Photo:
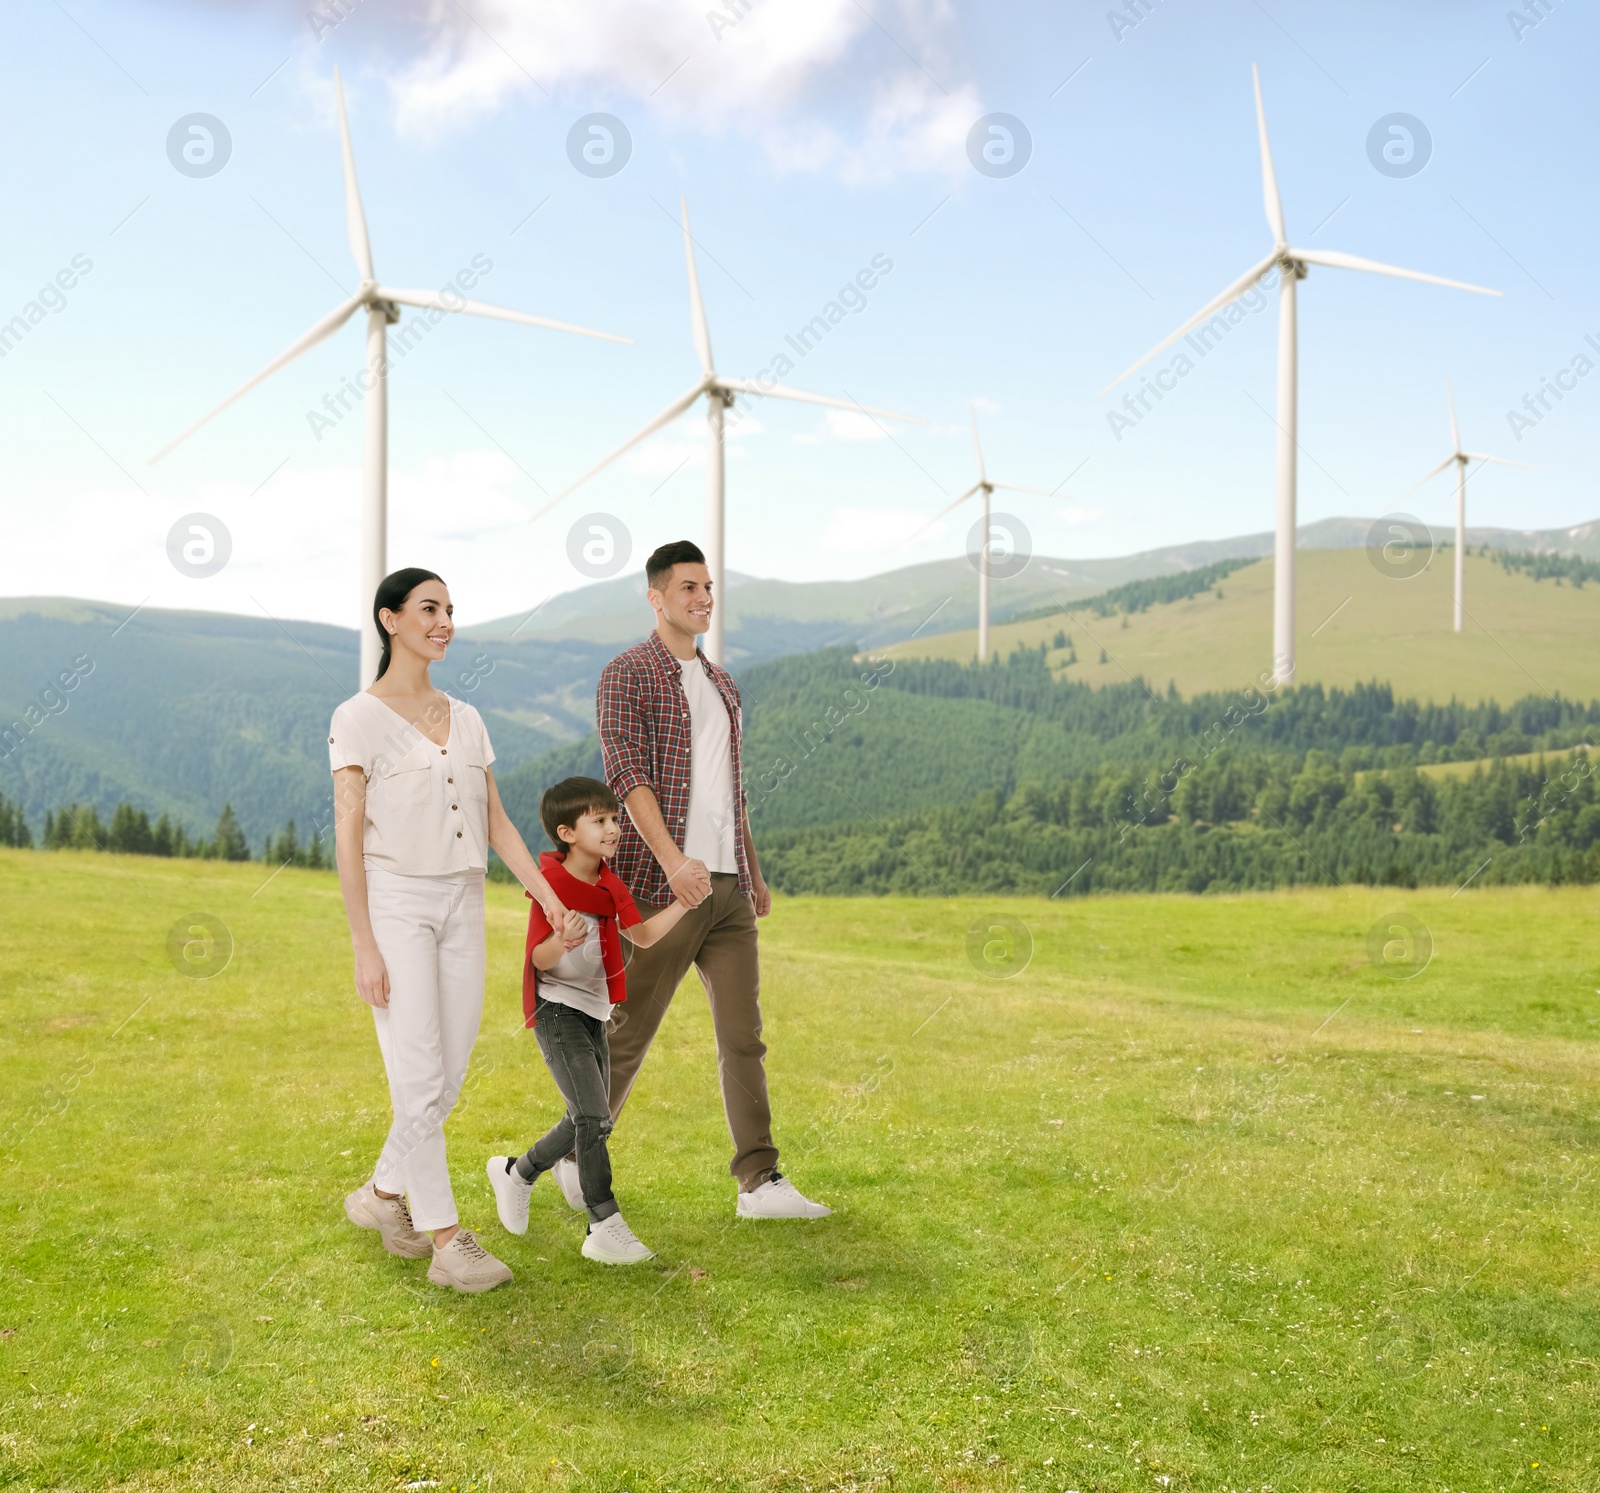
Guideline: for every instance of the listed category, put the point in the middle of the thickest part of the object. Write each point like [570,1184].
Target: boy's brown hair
[566,802]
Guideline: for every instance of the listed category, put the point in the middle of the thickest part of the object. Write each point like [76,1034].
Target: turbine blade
[355,220]
[1018,487]
[1269,177]
[666,417]
[1501,461]
[749,386]
[1448,461]
[697,310]
[1237,289]
[977,447]
[1335,260]
[954,503]
[1455,433]
[321,331]
[441,301]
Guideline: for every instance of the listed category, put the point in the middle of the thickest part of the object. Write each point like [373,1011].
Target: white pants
[430,933]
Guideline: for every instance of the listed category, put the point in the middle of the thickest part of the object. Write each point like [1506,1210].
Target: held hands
[690,882]
[570,926]
[372,978]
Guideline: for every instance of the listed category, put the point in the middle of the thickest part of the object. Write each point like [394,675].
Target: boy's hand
[573,929]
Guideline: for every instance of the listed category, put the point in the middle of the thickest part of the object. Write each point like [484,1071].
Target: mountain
[1353,623]
[771,618]
[181,712]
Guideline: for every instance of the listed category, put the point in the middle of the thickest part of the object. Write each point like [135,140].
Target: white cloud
[1075,515]
[819,82]
[842,425]
[296,543]
[882,531]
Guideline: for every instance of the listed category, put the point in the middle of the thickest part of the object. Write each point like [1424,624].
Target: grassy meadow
[1353,624]
[1203,1194]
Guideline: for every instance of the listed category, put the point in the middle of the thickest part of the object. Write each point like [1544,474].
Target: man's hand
[372,977]
[761,895]
[690,882]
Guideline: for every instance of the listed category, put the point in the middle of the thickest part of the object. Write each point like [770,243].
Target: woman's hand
[574,929]
[372,977]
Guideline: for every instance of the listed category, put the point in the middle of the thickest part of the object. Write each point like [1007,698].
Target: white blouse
[427,805]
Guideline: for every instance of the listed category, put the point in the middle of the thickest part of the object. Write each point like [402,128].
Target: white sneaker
[565,1172]
[614,1243]
[511,1193]
[391,1218]
[778,1197]
[465,1265]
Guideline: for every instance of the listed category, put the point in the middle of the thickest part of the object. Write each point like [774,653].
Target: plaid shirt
[643,720]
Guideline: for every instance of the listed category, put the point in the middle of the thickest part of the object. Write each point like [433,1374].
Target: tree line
[130,832]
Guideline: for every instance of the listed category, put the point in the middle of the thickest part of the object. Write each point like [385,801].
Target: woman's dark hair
[392,592]
[566,802]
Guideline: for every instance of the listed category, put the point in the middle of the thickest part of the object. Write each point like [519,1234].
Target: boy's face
[596,833]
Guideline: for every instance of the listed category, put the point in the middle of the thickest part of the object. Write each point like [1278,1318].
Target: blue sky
[809,139]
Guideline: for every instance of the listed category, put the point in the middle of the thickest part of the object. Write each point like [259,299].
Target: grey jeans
[579,1059]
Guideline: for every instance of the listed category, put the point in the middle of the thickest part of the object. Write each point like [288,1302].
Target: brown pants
[719,938]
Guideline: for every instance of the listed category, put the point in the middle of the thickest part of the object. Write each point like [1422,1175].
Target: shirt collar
[665,657]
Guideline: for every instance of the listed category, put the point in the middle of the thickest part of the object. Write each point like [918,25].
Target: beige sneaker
[391,1218]
[465,1265]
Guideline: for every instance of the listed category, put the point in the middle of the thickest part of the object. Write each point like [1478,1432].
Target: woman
[415,810]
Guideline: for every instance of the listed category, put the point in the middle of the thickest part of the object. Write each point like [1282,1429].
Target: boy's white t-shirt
[578,977]
[712,821]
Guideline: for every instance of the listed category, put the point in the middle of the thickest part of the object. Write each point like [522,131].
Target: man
[670,724]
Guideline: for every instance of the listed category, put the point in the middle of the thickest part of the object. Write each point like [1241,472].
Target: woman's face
[423,624]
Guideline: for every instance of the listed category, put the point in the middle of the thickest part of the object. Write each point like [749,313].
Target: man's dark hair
[566,802]
[679,552]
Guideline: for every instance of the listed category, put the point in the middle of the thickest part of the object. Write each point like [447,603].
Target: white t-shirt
[713,821]
[427,805]
[578,977]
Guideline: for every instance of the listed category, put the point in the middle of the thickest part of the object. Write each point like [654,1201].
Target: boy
[567,995]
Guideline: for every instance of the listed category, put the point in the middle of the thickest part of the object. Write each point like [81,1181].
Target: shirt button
[449,780]
[330,741]
[458,834]
[455,806]
[443,752]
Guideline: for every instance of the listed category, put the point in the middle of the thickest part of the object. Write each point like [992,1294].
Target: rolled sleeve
[624,734]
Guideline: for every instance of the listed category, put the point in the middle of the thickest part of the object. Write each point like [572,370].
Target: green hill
[182,712]
[1523,636]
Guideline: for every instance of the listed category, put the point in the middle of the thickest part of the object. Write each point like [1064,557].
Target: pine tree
[229,843]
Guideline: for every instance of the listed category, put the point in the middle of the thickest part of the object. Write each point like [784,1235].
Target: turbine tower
[1291,265]
[986,486]
[382,306]
[1461,460]
[720,391]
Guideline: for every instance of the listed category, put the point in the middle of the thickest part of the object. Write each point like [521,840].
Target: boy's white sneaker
[614,1243]
[778,1197]
[511,1193]
[465,1265]
[565,1172]
[391,1218]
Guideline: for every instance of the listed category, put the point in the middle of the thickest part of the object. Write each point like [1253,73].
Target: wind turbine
[383,308]
[1461,459]
[986,486]
[720,392]
[1291,265]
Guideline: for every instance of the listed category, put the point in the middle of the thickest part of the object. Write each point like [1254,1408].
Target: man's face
[684,598]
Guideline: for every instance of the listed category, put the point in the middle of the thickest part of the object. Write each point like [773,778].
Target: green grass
[1353,624]
[1202,1199]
